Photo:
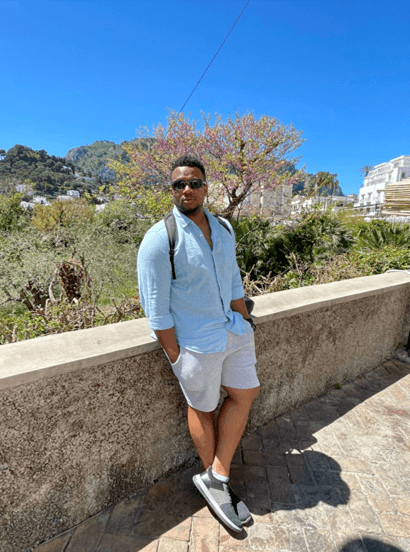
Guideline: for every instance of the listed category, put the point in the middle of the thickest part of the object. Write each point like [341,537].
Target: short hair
[188,160]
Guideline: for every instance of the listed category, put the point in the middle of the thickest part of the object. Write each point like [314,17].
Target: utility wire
[225,39]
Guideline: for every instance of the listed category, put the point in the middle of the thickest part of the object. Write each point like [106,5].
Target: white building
[103,199]
[27,205]
[73,193]
[41,200]
[64,198]
[371,195]
[300,203]
[21,188]
[271,202]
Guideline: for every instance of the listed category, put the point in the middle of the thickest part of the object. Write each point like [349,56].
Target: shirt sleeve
[237,287]
[154,279]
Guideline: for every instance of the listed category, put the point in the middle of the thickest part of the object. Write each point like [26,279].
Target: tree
[241,155]
[364,171]
[325,182]
[12,215]
[61,213]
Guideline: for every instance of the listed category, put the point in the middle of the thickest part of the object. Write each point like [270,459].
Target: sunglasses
[194,184]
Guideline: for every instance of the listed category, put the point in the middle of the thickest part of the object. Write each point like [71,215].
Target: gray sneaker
[240,507]
[217,494]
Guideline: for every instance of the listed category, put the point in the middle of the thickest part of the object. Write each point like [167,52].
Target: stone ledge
[43,357]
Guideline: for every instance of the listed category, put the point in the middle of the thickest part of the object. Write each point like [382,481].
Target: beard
[188,212]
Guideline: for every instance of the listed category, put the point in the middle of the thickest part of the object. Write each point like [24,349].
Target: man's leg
[231,425]
[202,430]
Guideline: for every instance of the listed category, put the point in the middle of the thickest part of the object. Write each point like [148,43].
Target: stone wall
[87,418]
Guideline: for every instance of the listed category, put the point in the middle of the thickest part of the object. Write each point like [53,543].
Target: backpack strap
[222,222]
[171,227]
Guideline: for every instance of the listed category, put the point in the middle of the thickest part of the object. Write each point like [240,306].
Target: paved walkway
[332,476]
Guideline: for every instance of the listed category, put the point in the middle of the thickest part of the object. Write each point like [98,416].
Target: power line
[217,52]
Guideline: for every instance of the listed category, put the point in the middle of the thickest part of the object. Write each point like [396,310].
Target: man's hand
[169,343]
[238,305]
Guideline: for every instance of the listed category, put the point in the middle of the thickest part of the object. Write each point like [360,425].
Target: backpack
[171,227]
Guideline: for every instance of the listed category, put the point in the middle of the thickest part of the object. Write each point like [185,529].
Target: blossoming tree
[241,155]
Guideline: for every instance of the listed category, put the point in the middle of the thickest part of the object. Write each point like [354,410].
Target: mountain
[308,182]
[92,159]
[47,174]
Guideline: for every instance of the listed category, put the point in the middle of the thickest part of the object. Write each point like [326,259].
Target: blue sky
[72,72]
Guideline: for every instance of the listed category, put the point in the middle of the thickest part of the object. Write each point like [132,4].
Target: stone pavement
[331,476]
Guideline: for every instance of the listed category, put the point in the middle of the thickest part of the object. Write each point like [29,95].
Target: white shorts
[201,375]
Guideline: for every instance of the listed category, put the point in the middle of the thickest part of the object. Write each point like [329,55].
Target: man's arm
[154,282]
[238,305]
[169,343]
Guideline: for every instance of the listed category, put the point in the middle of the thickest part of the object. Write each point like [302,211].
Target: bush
[380,233]
[62,214]
[12,215]
[264,251]
[123,220]
[379,261]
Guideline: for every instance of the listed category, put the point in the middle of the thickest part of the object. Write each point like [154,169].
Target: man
[200,320]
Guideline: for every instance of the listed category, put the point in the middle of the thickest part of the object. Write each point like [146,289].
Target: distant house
[21,188]
[269,202]
[73,193]
[375,183]
[103,199]
[40,199]
[301,203]
[27,205]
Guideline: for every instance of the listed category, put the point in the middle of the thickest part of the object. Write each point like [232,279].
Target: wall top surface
[34,359]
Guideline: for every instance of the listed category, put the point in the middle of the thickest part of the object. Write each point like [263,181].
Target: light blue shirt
[197,303]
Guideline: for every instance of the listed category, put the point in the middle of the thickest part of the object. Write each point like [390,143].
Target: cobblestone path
[332,476]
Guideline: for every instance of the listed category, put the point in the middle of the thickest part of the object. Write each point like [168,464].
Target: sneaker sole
[215,507]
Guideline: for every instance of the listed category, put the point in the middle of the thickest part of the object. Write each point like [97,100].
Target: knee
[244,397]
[256,392]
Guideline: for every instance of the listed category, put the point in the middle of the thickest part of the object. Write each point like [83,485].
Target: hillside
[47,174]
[92,159]
[83,170]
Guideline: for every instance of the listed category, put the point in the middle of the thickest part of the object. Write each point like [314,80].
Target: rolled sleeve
[237,287]
[154,279]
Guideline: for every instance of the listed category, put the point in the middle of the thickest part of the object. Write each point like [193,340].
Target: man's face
[188,201]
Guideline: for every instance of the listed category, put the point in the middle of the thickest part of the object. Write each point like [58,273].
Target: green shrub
[122,219]
[378,261]
[380,233]
[12,215]
[61,214]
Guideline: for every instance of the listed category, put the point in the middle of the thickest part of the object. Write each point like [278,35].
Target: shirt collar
[184,220]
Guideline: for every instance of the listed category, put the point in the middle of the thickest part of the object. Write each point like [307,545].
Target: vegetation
[92,160]
[241,155]
[42,173]
[326,184]
[318,248]
[66,267]
[76,273]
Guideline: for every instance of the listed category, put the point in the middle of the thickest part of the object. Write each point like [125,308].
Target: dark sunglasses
[194,184]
